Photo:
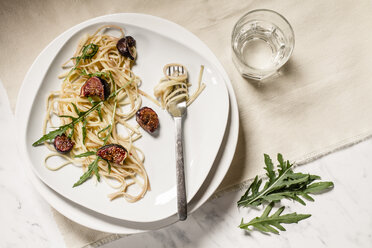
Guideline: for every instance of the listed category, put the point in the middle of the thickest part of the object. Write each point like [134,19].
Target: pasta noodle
[92,124]
[94,131]
[173,87]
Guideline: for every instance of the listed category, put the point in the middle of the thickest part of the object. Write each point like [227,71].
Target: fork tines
[176,68]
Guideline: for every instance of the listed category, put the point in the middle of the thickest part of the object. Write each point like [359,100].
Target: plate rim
[227,82]
[47,62]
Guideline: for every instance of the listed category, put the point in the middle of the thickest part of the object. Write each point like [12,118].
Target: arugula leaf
[109,166]
[83,72]
[66,116]
[318,187]
[72,131]
[76,108]
[116,92]
[62,129]
[84,130]
[99,74]
[103,130]
[90,99]
[269,168]
[109,128]
[87,52]
[93,167]
[51,135]
[85,154]
[99,112]
[113,82]
[282,184]
[266,223]
[96,172]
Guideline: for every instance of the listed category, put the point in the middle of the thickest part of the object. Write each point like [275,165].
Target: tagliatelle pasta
[99,94]
[97,56]
[174,86]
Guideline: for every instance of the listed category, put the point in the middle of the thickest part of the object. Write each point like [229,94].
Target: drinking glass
[262,41]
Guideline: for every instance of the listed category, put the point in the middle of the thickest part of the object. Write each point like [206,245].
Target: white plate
[158,42]
[107,224]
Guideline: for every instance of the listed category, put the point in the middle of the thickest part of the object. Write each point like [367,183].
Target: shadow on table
[238,166]
[288,70]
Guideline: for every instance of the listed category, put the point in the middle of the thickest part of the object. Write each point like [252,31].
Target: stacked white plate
[210,129]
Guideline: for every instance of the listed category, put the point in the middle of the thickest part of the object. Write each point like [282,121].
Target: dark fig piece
[126,47]
[63,144]
[147,119]
[113,153]
[131,41]
[95,86]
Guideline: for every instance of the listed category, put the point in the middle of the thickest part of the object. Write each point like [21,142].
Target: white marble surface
[26,218]
[340,218]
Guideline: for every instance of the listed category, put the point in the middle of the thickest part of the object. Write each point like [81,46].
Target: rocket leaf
[266,223]
[283,183]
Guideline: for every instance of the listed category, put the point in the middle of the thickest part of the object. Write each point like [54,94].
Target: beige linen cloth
[322,101]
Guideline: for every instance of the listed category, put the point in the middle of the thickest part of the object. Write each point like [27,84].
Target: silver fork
[177,110]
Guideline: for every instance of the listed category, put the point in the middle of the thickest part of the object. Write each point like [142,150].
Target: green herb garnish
[85,154]
[87,52]
[266,223]
[51,135]
[84,130]
[283,183]
[101,131]
[93,167]
[74,120]
[109,166]
[81,116]
[99,110]
[109,127]
[99,74]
